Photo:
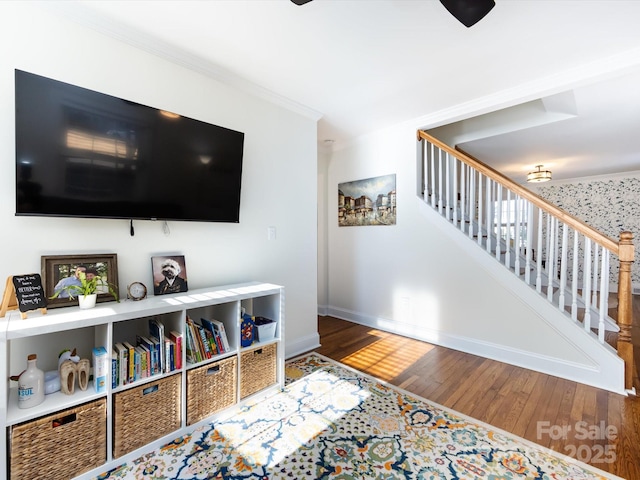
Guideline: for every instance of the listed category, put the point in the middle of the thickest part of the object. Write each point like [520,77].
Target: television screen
[81,153]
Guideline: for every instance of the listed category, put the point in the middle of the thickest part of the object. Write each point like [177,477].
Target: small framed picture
[58,272]
[169,274]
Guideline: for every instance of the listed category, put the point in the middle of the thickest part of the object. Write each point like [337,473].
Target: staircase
[577,269]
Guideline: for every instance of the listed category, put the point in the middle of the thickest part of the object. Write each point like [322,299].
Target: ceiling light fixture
[539,175]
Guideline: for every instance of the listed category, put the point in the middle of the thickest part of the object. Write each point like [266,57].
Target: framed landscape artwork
[371,201]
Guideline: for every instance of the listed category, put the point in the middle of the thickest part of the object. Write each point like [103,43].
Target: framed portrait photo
[169,274]
[60,271]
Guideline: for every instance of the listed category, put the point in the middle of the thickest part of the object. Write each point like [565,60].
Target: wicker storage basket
[211,388]
[257,369]
[62,445]
[145,413]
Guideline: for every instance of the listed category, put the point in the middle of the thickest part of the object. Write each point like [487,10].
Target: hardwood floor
[604,427]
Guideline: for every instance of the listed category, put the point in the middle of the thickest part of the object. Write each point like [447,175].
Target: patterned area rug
[331,422]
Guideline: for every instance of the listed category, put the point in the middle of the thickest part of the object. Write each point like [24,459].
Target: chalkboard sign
[29,292]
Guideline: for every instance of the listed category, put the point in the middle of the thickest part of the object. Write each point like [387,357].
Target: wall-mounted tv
[81,153]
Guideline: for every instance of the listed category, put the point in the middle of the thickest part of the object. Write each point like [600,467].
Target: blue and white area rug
[332,422]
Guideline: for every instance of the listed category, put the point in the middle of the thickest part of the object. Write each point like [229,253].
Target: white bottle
[31,385]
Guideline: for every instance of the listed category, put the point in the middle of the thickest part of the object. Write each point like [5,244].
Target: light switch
[271,233]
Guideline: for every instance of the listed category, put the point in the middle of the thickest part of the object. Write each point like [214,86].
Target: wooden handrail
[565,217]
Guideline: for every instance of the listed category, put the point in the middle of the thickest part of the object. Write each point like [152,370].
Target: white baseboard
[587,374]
[301,345]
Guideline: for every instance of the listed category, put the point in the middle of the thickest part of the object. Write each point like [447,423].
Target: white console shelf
[61,328]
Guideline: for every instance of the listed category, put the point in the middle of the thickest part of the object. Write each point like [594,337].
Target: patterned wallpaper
[610,205]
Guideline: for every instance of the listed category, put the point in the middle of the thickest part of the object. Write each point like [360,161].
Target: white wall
[279,173]
[425,279]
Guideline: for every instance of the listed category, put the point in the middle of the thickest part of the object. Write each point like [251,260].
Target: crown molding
[592,72]
[600,70]
[84,16]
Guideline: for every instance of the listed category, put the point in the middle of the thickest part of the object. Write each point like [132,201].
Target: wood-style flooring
[526,403]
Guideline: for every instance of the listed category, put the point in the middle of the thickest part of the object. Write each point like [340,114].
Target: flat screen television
[81,153]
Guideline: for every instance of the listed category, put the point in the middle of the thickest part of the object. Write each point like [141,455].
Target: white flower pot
[87,301]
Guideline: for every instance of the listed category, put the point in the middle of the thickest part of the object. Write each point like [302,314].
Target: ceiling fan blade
[468,12]
[300,2]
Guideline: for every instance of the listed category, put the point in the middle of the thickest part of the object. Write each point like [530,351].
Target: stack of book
[205,339]
[159,352]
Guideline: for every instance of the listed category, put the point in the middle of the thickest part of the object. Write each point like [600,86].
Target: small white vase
[87,301]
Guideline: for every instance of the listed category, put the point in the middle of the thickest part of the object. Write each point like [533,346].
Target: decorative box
[211,388]
[61,445]
[145,413]
[257,369]
[247,331]
[265,328]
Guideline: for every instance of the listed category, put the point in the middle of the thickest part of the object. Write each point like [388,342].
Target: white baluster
[603,293]
[497,220]
[547,264]
[529,245]
[563,267]
[440,200]
[539,257]
[594,298]
[490,213]
[574,278]
[447,206]
[454,190]
[480,208]
[507,241]
[425,169]
[472,200]
[607,276]
[586,280]
[553,238]
[517,240]
[433,176]
[463,196]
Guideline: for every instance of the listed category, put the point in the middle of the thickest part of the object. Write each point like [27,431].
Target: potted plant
[87,291]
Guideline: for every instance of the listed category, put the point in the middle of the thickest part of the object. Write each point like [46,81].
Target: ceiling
[565,74]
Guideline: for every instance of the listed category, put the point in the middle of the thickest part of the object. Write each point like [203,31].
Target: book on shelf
[188,347]
[176,338]
[222,332]
[196,348]
[214,334]
[156,330]
[204,344]
[204,340]
[142,369]
[169,350]
[152,354]
[190,353]
[100,369]
[123,363]
[218,340]
[114,368]
[156,347]
[137,367]
[131,372]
